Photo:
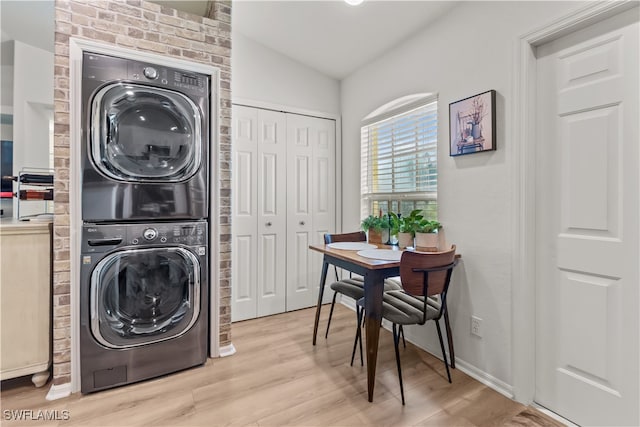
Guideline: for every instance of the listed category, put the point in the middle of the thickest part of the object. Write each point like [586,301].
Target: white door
[272,215]
[244,241]
[587,197]
[310,203]
[259,213]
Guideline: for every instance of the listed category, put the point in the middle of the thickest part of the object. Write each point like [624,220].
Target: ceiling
[332,36]
[329,36]
[31,22]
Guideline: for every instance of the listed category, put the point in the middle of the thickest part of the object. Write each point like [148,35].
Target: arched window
[400,157]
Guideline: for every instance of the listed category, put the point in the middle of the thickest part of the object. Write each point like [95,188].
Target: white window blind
[399,158]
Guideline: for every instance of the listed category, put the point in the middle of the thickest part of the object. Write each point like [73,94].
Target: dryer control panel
[110,68]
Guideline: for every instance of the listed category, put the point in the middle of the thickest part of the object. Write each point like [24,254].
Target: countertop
[12,224]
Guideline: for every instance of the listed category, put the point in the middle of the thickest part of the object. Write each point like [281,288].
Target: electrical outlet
[476,326]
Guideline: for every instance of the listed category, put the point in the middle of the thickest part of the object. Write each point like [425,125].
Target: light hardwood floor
[278,378]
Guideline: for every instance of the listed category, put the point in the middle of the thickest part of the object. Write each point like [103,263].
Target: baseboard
[59,391]
[486,379]
[553,415]
[469,369]
[227,350]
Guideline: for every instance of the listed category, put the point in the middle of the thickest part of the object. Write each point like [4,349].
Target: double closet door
[283,193]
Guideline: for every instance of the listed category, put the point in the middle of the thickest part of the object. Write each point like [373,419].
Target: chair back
[357,236]
[414,269]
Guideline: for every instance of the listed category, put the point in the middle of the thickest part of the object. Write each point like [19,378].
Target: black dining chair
[425,279]
[352,287]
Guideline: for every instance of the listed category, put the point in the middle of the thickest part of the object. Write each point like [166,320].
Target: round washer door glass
[143,133]
[144,295]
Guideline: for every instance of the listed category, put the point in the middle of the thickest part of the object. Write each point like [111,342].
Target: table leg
[323,279]
[373,288]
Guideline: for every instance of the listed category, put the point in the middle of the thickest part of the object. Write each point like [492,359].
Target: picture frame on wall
[472,124]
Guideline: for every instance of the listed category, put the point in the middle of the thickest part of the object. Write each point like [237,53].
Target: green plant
[429,226]
[375,223]
[409,223]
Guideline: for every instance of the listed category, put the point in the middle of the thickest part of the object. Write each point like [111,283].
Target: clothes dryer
[145,130]
[143,301]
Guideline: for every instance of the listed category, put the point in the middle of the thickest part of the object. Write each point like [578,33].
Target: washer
[143,301]
[145,148]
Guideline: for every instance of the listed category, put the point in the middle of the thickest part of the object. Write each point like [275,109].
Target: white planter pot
[405,240]
[427,241]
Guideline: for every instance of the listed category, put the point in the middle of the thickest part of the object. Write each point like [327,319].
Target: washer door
[142,296]
[145,134]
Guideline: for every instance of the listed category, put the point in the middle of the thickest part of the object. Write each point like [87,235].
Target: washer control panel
[150,234]
[106,237]
[192,233]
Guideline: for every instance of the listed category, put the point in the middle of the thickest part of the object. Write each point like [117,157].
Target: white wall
[6,73]
[32,110]
[468,51]
[262,74]
[6,132]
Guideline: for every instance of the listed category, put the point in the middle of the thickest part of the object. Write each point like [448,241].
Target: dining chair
[423,276]
[352,287]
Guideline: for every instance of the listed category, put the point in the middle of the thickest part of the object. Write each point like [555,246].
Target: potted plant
[427,235]
[406,226]
[375,227]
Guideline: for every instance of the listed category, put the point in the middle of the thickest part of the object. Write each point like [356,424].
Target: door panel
[244,252]
[587,194]
[311,201]
[324,195]
[243,290]
[272,215]
[299,213]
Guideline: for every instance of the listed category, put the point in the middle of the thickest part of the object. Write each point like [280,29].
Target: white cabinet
[283,200]
[25,314]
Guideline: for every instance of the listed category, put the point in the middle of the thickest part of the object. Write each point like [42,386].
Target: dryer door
[145,134]
[141,296]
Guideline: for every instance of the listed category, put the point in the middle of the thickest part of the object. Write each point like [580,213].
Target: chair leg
[333,303]
[401,330]
[360,333]
[358,337]
[396,339]
[444,355]
[452,355]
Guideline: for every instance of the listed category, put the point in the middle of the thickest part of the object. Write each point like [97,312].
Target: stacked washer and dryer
[144,305]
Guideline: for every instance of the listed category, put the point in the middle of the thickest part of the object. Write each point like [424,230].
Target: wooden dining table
[374,271]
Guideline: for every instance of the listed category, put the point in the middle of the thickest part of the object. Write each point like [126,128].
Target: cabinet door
[25,313]
[310,203]
[259,213]
[244,251]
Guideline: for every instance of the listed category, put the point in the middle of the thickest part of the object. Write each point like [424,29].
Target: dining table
[374,271]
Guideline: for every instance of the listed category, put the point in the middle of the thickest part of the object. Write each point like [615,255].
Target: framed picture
[472,124]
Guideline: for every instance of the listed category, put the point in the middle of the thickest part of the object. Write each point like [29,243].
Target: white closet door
[244,243]
[272,215]
[323,196]
[259,213]
[310,203]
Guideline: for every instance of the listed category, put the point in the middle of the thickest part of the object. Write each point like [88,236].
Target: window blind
[399,156]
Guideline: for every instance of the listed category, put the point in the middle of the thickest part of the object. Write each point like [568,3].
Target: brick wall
[144,26]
